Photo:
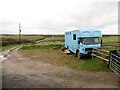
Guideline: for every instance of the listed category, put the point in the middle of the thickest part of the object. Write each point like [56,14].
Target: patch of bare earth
[22,72]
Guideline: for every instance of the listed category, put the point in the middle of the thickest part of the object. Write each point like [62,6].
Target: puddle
[2,58]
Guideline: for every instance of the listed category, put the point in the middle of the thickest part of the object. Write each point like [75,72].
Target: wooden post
[92,52]
[101,42]
[19,33]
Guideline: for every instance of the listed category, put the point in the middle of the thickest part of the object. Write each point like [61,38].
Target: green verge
[52,54]
[3,48]
[94,64]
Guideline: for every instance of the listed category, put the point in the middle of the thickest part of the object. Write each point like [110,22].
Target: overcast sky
[58,16]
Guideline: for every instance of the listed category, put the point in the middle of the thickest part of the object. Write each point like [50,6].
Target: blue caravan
[82,41]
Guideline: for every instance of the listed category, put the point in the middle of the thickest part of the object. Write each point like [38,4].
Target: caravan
[82,41]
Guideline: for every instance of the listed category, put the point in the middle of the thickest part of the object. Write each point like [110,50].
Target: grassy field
[8,41]
[51,53]
[110,38]
[48,50]
[8,47]
[109,42]
[27,37]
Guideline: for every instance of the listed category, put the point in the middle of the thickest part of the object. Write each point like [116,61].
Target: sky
[57,16]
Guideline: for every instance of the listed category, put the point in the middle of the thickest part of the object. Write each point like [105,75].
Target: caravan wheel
[79,55]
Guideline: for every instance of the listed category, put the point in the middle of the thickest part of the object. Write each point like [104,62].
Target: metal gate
[114,60]
[114,63]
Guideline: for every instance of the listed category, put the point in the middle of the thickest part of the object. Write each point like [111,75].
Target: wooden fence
[101,53]
[111,59]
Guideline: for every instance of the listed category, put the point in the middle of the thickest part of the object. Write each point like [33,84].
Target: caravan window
[91,41]
[74,36]
[80,40]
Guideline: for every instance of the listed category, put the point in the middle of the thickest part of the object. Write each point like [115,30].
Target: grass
[93,65]
[8,47]
[53,55]
[44,46]
[27,37]
[110,40]
[13,38]
[48,51]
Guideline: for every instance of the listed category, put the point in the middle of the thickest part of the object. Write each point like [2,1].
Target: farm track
[22,72]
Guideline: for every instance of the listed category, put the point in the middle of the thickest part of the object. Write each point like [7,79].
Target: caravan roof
[87,32]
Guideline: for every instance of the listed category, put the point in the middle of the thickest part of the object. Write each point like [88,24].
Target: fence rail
[101,53]
[112,59]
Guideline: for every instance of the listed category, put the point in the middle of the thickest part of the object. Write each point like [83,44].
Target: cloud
[96,15]
[60,16]
[8,26]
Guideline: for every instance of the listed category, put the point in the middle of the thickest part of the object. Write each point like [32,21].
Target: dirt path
[22,72]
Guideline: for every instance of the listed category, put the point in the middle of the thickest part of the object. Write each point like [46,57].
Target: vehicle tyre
[79,55]
[67,47]
[63,48]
